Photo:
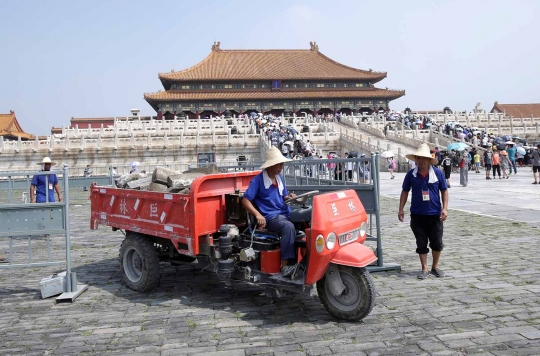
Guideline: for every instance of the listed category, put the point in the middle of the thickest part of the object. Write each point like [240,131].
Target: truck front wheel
[358,298]
[139,262]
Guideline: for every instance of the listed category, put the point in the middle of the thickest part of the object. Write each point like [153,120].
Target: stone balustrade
[173,127]
[470,120]
[352,141]
[96,144]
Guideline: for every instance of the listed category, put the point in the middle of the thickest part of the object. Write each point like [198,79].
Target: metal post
[376,187]
[68,239]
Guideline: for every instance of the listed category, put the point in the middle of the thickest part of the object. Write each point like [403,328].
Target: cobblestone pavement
[488,304]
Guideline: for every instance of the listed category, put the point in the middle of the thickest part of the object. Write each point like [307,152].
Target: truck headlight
[363,229]
[331,241]
[319,243]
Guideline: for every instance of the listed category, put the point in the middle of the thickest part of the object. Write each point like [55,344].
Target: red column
[160,115]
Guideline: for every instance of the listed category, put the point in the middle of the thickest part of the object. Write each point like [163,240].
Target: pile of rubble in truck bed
[163,179]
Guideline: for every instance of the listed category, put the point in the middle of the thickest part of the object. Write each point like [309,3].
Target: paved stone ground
[489,303]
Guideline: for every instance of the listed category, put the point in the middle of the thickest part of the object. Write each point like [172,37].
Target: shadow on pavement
[187,287]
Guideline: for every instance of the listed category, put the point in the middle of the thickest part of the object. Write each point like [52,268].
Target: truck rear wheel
[139,262]
[358,299]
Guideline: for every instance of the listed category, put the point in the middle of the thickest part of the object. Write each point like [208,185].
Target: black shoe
[437,272]
[534,182]
[4,260]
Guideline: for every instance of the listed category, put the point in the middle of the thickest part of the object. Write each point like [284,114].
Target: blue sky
[63,59]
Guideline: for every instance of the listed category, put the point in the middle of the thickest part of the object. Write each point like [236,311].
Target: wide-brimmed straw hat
[422,151]
[273,157]
[47,160]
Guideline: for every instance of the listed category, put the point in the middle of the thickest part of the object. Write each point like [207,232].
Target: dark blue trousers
[282,226]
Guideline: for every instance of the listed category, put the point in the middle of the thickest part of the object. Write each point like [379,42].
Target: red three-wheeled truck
[210,228]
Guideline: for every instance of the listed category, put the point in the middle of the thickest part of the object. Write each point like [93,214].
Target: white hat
[47,160]
[273,157]
[422,151]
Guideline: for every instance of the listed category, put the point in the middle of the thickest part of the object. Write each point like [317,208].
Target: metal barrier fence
[324,175]
[34,222]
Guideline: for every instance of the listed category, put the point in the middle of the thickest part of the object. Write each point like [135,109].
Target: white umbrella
[135,164]
[510,143]
[387,154]
[290,143]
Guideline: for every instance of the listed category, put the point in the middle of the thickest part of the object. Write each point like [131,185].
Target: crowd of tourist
[496,161]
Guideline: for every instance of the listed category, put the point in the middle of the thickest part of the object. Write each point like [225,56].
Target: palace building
[10,129]
[269,81]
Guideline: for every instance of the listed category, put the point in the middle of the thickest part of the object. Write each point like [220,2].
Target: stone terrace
[489,303]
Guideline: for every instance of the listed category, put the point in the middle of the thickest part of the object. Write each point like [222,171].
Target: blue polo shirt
[39,182]
[419,184]
[269,202]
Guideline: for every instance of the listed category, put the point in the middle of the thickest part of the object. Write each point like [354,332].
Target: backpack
[496,159]
[393,164]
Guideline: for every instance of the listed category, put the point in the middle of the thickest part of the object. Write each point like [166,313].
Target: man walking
[511,150]
[429,207]
[87,173]
[44,193]
[536,163]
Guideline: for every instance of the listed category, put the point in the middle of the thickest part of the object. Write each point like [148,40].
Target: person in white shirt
[308,146]
[349,167]
[285,150]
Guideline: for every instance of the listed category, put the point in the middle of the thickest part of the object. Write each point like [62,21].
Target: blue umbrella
[458,146]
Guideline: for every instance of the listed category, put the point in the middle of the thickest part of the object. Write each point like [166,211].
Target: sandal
[423,275]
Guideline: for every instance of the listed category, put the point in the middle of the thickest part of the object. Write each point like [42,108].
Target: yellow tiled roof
[268,65]
[373,93]
[9,126]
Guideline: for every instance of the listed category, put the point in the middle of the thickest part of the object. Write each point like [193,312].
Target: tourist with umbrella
[463,164]
[520,154]
[392,165]
[133,166]
[457,146]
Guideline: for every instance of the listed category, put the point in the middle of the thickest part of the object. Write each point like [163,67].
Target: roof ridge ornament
[314,46]
[215,46]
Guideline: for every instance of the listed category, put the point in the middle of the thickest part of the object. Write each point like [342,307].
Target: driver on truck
[268,191]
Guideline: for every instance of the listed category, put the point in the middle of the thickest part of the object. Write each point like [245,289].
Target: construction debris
[164,179]
[183,182]
[161,174]
[122,181]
